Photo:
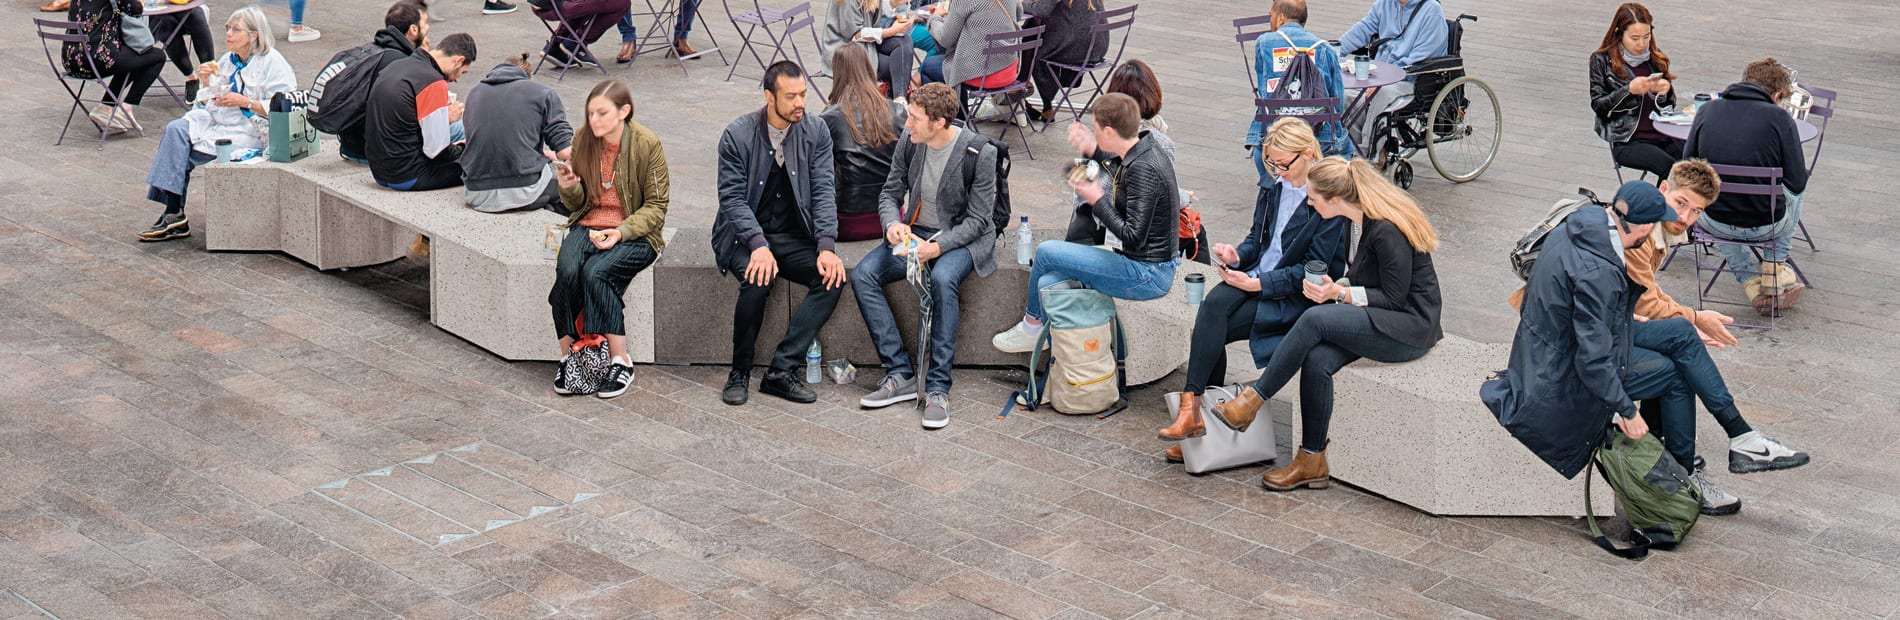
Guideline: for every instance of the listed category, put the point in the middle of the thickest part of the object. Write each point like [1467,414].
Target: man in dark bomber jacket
[510,119]
[778,217]
[1746,128]
[410,141]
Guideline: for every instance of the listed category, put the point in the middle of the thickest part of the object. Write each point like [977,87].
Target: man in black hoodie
[405,27]
[514,123]
[412,146]
[1746,128]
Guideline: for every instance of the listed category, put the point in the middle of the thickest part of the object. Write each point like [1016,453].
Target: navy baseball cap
[1643,204]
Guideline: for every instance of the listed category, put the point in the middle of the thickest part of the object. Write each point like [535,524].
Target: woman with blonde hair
[1385,308]
[879,28]
[1259,297]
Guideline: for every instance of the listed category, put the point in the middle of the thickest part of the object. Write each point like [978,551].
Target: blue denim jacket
[1332,140]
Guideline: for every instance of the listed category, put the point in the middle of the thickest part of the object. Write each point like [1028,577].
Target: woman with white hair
[233,105]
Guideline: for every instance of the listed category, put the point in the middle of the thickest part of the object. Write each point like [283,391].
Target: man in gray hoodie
[515,128]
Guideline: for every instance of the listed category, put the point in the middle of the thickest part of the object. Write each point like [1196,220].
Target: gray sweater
[961,32]
[509,119]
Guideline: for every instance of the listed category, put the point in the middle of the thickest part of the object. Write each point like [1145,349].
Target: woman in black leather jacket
[1629,79]
[864,126]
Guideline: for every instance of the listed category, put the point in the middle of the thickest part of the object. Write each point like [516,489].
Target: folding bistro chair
[759,21]
[1008,45]
[57,34]
[812,72]
[569,44]
[1767,182]
[1106,23]
[1246,31]
[664,14]
[1823,107]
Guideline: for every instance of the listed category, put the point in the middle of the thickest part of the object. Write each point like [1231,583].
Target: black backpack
[1000,212]
[1301,80]
[339,97]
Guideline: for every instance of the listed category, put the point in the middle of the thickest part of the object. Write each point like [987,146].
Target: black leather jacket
[1142,207]
[1617,110]
[861,169]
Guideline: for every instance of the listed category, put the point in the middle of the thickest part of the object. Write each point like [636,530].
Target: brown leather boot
[683,49]
[1307,470]
[1187,420]
[1173,454]
[1238,414]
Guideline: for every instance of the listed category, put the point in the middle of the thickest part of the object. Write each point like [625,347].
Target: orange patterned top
[607,211]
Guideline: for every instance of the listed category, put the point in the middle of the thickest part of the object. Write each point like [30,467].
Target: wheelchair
[1453,117]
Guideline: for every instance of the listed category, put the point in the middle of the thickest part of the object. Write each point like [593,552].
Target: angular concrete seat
[1417,434]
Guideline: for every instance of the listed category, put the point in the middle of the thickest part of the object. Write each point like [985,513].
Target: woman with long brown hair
[864,127]
[616,191]
[1385,308]
[1629,79]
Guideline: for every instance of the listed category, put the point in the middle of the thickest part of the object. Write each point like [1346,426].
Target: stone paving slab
[165,412]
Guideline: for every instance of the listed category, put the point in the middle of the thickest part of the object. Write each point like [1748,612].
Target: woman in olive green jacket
[615,191]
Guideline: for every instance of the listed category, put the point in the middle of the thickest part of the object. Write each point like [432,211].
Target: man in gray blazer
[940,193]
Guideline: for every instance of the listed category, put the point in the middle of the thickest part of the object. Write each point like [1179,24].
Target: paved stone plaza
[188,435]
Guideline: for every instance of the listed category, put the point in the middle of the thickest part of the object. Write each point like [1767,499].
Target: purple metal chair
[760,21]
[1823,107]
[664,14]
[1007,46]
[1762,181]
[812,72]
[569,44]
[1106,23]
[1246,31]
[57,33]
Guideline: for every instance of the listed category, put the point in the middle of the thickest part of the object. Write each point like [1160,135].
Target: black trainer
[618,380]
[496,7]
[737,383]
[782,384]
[560,379]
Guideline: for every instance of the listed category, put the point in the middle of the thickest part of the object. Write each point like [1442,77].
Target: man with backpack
[339,96]
[1286,60]
[940,195]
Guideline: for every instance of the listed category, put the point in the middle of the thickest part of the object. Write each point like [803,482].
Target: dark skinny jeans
[1651,156]
[1324,340]
[1676,339]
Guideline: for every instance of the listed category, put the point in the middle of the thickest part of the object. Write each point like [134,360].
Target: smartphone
[563,166]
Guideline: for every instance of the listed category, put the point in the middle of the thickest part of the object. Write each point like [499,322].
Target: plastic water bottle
[814,360]
[1024,239]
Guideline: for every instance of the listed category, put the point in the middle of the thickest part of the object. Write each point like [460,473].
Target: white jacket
[265,75]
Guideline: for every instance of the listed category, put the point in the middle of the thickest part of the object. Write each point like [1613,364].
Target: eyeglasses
[1280,167]
[237,29]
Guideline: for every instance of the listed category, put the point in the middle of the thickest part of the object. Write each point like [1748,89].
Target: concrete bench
[1417,434]
[489,281]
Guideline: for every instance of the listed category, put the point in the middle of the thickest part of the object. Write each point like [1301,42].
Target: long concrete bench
[489,281]
[1417,434]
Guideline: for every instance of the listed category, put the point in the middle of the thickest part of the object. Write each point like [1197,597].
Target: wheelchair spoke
[1465,128]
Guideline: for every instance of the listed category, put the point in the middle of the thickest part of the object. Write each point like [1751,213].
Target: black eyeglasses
[1280,167]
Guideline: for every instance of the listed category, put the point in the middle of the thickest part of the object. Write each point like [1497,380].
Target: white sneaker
[100,118]
[299,34]
[1715,501]
[1018,339]
[1753,452]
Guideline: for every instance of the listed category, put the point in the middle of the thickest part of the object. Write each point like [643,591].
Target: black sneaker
[168,226]
[560,379]
[737,382]
[496,7]
[191,91]
[782,384]
[618,380]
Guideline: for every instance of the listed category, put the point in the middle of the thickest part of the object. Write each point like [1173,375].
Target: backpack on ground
[339,97]
[1655,493]
[1000,211]
[1083,372]
[1524,254]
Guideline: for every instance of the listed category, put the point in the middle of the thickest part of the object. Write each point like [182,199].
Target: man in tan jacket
[1691,186]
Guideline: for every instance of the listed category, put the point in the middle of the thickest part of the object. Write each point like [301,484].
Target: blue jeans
[946,276]
[296,12]
[1668,405]
[1677,340]
[1113,274]
[1781,231]
[931,69]
[681,26]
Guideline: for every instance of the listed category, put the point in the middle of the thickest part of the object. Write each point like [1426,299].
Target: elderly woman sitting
[233,105]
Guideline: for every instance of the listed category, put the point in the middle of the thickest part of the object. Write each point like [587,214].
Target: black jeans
[797,257]
[1665,402]
[1226,316]
[1677,340]
[135,72]
[194,25]
[590,283]
[894,58]
[1324,340]
[1651,156]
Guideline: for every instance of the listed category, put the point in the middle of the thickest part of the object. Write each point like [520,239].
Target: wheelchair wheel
[1401,174]
[1466,126]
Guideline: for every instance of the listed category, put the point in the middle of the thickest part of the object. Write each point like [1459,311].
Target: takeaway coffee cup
[223,147]
[1196,288]
[1315,271]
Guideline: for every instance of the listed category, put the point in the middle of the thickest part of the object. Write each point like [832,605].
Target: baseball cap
[1643,204]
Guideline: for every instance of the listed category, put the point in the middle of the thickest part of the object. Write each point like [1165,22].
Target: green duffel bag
[291,135]
[1656,494]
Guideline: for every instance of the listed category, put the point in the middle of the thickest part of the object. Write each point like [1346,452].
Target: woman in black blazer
[1385,308]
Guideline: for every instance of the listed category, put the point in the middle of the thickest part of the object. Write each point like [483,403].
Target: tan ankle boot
[1173,454]
[1307,470]
[1187,420]
[1239,413]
